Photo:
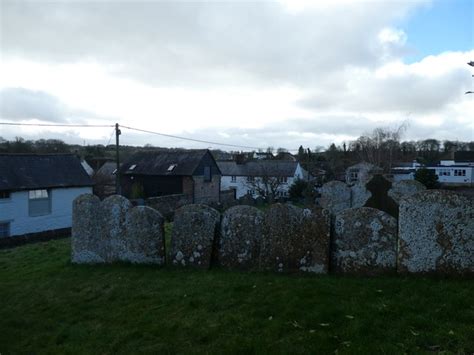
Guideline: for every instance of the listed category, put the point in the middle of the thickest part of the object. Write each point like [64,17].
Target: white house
[37,191]
[256,177]
[449,172]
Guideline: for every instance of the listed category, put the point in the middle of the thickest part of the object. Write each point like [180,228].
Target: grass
[51,306]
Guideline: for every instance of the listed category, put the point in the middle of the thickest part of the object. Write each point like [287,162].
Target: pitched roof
[107,169]
[184,162]
[258,168]
[38,171]
[464,156]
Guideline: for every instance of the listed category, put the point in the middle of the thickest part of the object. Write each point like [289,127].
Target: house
[37,191]
[457,172]
[262,155]
[160,173]
[361,172]
[260,177]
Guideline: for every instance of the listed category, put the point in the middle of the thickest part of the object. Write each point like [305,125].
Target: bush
[427,177]
[297,189]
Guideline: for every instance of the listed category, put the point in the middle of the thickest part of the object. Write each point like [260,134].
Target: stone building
[361,172]
[193,173]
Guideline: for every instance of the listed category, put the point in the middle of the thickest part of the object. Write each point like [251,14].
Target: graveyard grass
[49,305]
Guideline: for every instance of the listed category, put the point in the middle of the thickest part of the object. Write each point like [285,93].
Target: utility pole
[117,172]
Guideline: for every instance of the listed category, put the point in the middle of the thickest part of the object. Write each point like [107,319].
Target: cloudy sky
[257,73]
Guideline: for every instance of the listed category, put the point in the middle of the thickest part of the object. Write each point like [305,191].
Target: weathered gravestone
[89,244]
[359,195]
[404,188]
[436,233]
[364,242]
[240,237]
[111,230]
[295,239]
[335,196]
[194,235]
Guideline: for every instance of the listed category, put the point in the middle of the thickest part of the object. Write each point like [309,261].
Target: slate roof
[39,171]
[464,156]
[258,168]
[158,163]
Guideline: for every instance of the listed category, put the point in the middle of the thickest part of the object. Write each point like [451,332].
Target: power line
[54,125]
[135,129]
[191,139]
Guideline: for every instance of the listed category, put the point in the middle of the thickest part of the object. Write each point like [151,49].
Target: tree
[297,189]
[265,184]
[427,177]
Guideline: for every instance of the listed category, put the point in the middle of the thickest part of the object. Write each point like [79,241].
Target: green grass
[51,306]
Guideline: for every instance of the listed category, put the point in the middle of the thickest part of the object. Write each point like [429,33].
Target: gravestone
[193,237]
[436,233]
[144,241]
[89,244]
[240,237]
[111,231]
[295,240]
[335,196]
[359,195]
[364,242]
[405,188]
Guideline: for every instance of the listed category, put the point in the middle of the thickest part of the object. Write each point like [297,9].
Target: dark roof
[258,168]
[464,156]
[158,163]
[35,171]
[107,169]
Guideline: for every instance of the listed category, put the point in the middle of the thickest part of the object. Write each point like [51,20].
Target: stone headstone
[111,230]
[335,196]
[240,237]
[144,240]
[405,188]
[89,244]
[114,216]
[364,242]
[295,240]
[193,236]
[359,195]
[436,233]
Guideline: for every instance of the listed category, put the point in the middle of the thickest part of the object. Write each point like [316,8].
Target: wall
[206,191]
[166,205]
[15,210]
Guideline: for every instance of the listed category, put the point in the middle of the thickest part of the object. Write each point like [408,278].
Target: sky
[280,73]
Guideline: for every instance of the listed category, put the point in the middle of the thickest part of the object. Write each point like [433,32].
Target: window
[459,172]
[4,195]
[207,173]
[250,178]
[282,179]
[39,202]
[233,178]
[132,167]
[172,166]
[4,229]
[251,192]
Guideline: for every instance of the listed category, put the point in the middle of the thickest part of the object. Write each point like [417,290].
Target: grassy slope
[49,305]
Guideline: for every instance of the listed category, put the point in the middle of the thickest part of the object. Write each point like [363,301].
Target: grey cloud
[21,104]
[406,93]
[198,43]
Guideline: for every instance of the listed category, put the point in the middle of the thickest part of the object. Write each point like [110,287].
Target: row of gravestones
[435,233]
[378,193]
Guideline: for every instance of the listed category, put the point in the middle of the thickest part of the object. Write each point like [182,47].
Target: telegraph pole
[117,172]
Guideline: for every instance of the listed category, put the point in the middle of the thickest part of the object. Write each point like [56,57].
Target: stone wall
[168,204]
[113,230]
[436,233]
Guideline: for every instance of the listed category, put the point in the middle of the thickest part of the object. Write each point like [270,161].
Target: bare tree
[265,183]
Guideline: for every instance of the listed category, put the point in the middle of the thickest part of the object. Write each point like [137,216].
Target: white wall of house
[455,175]
[242,185]
[15,210]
